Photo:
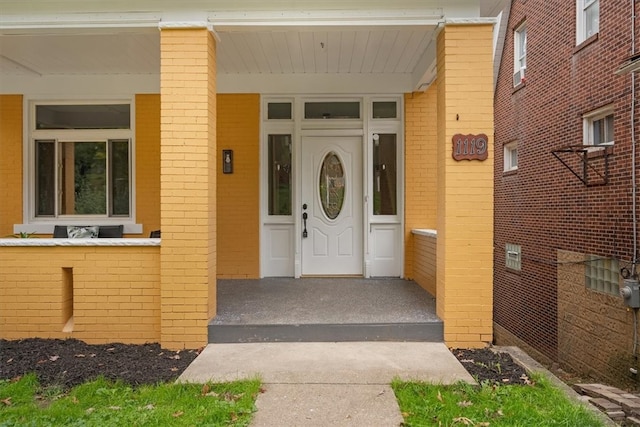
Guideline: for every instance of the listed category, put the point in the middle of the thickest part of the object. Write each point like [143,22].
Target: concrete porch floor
[324,309]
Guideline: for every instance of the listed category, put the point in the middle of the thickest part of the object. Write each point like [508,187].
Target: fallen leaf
[176,357]
[92,355]
[115,408]
[80,355]
[212,394]
[483,424]
[16,379]
[439,396]
[177,414]
[54,358]
[464,420]
[499,413]
[506,380]
[150,407]
[381,393]
[39,362]
[205,389]
[262,390]
[465,404]
[90,410]
[75,400]
[7,401]
[111,349]
[174,369]
[10,360]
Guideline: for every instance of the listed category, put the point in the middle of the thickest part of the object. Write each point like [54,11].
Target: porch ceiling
[391,43]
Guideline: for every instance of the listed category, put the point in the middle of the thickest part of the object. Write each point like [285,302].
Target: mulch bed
[70,362]
[487,365]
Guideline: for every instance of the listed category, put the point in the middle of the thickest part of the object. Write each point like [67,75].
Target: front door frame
[290,228]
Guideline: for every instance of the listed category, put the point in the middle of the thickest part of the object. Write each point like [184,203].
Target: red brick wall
[543,207]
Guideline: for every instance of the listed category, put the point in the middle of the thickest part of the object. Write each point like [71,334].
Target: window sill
[79,242]
[587,42]
[425,232]
[47,227]
[512,271]
[510,172]
[523,83]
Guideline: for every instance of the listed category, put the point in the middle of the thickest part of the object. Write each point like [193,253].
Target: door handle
[304,232]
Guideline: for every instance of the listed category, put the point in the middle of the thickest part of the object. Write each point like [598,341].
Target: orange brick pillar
[465,188]
[187,185]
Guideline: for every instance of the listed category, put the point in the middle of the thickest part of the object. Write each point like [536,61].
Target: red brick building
[566,214]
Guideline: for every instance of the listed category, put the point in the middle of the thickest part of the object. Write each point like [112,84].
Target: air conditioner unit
[518,77]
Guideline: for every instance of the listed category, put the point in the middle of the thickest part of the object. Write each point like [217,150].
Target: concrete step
[431,331]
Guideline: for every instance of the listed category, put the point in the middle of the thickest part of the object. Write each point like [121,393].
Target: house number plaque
[470,147]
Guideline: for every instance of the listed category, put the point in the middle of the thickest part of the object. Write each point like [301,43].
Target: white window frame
[35,224]
[590,119]
[582,7]
[511,154]
[513,256]
[519,54]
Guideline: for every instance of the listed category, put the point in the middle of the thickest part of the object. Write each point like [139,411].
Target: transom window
[587,19]
[519,54]
[598,127]
[81,158]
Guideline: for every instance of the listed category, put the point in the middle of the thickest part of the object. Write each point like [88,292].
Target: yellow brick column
[187,185]
[465,188]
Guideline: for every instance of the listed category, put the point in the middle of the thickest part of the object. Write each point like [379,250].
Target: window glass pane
[609,126]
[514,158]
[279,110]
[119,167]
[45,178]
[332,110]
[331,185]
[384,175]
[83,178]
[107,116]
[592,18]
[279,147]
[384,110]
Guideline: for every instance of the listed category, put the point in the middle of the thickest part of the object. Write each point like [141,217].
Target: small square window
[511,156]
[519,54]
[513,255]
[598,127]
[279,111]
[384,110]
[587,19]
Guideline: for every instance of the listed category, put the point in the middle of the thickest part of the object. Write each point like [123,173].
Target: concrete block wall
[113,293]
[595,330]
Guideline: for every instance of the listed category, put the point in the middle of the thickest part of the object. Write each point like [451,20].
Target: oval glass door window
[332,185]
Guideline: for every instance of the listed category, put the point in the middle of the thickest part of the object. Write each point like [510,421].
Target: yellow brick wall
[10,163]
[115,293]
[188,158]
[420,168]
[425,262]
[238,193]
[147,165]
[465,188]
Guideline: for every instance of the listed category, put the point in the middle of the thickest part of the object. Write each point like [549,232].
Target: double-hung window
[598,127]
[587,19]
[519,54]
[81,161]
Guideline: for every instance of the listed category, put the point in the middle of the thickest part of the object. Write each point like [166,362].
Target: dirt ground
[70,362]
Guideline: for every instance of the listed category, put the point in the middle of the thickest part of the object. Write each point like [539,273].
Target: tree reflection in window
[332,185]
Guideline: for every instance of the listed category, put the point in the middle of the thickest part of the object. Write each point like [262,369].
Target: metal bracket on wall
[589,163]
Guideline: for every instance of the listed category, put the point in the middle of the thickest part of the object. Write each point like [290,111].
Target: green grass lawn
[102,403]
[461,404]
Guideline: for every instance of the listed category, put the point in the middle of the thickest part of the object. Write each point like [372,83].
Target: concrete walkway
[327,384]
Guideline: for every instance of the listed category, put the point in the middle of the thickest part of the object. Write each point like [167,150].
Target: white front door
[332,203]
